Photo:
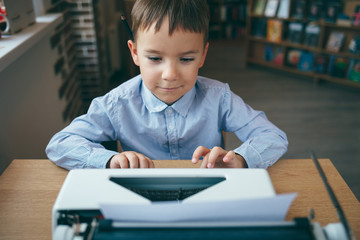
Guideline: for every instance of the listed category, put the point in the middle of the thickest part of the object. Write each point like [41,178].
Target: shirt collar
[153,104]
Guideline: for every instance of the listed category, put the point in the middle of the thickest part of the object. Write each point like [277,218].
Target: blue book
[321,62]
[306,61]
[268,53]
[354,70]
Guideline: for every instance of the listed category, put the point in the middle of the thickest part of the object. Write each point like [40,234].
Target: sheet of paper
[260,209]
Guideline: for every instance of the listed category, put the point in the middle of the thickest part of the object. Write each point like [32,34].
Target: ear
[204,55]
[133,51]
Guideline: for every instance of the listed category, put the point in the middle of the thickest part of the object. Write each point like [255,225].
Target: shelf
[332,25]
[302,46]
[265,28]
[307,74]
[305,20]
[280,67]
[283,19]
[284,43]
[14,46]
[338,80]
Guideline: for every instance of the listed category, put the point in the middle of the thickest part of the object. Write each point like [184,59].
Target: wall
[350,6]
[31,111]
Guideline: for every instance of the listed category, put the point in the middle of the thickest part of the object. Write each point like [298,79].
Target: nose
[170,72]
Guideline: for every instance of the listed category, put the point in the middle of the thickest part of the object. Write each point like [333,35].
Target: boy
[168,111]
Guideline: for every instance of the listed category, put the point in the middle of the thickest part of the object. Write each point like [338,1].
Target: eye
[155,59]
[186,59]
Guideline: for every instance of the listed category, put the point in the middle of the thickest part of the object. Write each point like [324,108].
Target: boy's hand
[130,160]
[218,158]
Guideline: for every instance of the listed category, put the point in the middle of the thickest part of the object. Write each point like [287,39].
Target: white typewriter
[177,204]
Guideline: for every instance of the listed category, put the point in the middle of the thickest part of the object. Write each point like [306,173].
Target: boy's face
[168,64]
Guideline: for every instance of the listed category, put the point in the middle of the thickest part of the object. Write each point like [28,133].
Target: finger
[151,163]
[133,159]
[214,155]
[119,161]
[145,162]
[123,161]
[229,156]
[114,162]
[198,153]
[205,161]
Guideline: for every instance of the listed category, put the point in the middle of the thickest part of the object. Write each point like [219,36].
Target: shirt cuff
[251,156]
[99,157]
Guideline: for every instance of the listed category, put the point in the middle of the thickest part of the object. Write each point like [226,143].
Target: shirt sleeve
[263,143]
[79,144]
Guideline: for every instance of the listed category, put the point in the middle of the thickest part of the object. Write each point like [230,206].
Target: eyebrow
[159,52]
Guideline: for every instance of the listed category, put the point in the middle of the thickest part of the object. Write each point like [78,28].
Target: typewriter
[77,213]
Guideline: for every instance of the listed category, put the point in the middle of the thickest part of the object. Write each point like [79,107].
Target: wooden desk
[28,189]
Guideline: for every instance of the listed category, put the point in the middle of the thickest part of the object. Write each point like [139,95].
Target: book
[314,12]
[274,30]
[306,61]
[354,45]
[214,14]
[259,27]
[354,70]
[356,16]
[223,13]
[230,31]
[312,33]
[293,57]
[271,8]
[259,7]
[284,9]
[268,53]
[332,9]
[321,62]
[295,32]
[335,41]
[338,66]
[229,12]
[242,13]
[343,20]
[278,58]
[298,10]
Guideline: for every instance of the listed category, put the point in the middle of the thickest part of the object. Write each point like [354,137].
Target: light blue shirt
[141,122]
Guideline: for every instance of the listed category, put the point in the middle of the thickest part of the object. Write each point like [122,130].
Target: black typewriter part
[301,229]
[166,195]
[166,188]
[98,228]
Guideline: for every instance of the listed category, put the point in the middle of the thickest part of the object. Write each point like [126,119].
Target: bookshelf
[227,19]
[91,54]
[302,43]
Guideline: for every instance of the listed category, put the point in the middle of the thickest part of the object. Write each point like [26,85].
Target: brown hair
[189,15]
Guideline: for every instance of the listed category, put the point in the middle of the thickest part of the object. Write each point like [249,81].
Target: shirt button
[169,110]
[171,126]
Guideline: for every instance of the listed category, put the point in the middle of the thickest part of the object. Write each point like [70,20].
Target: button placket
[172,135]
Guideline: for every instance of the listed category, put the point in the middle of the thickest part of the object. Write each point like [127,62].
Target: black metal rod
[333,198]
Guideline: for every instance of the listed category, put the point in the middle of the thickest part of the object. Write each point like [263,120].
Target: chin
[170,101]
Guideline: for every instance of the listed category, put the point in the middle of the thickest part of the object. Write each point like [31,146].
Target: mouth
[169,89]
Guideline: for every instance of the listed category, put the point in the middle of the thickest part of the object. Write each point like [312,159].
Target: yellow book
[274,30]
